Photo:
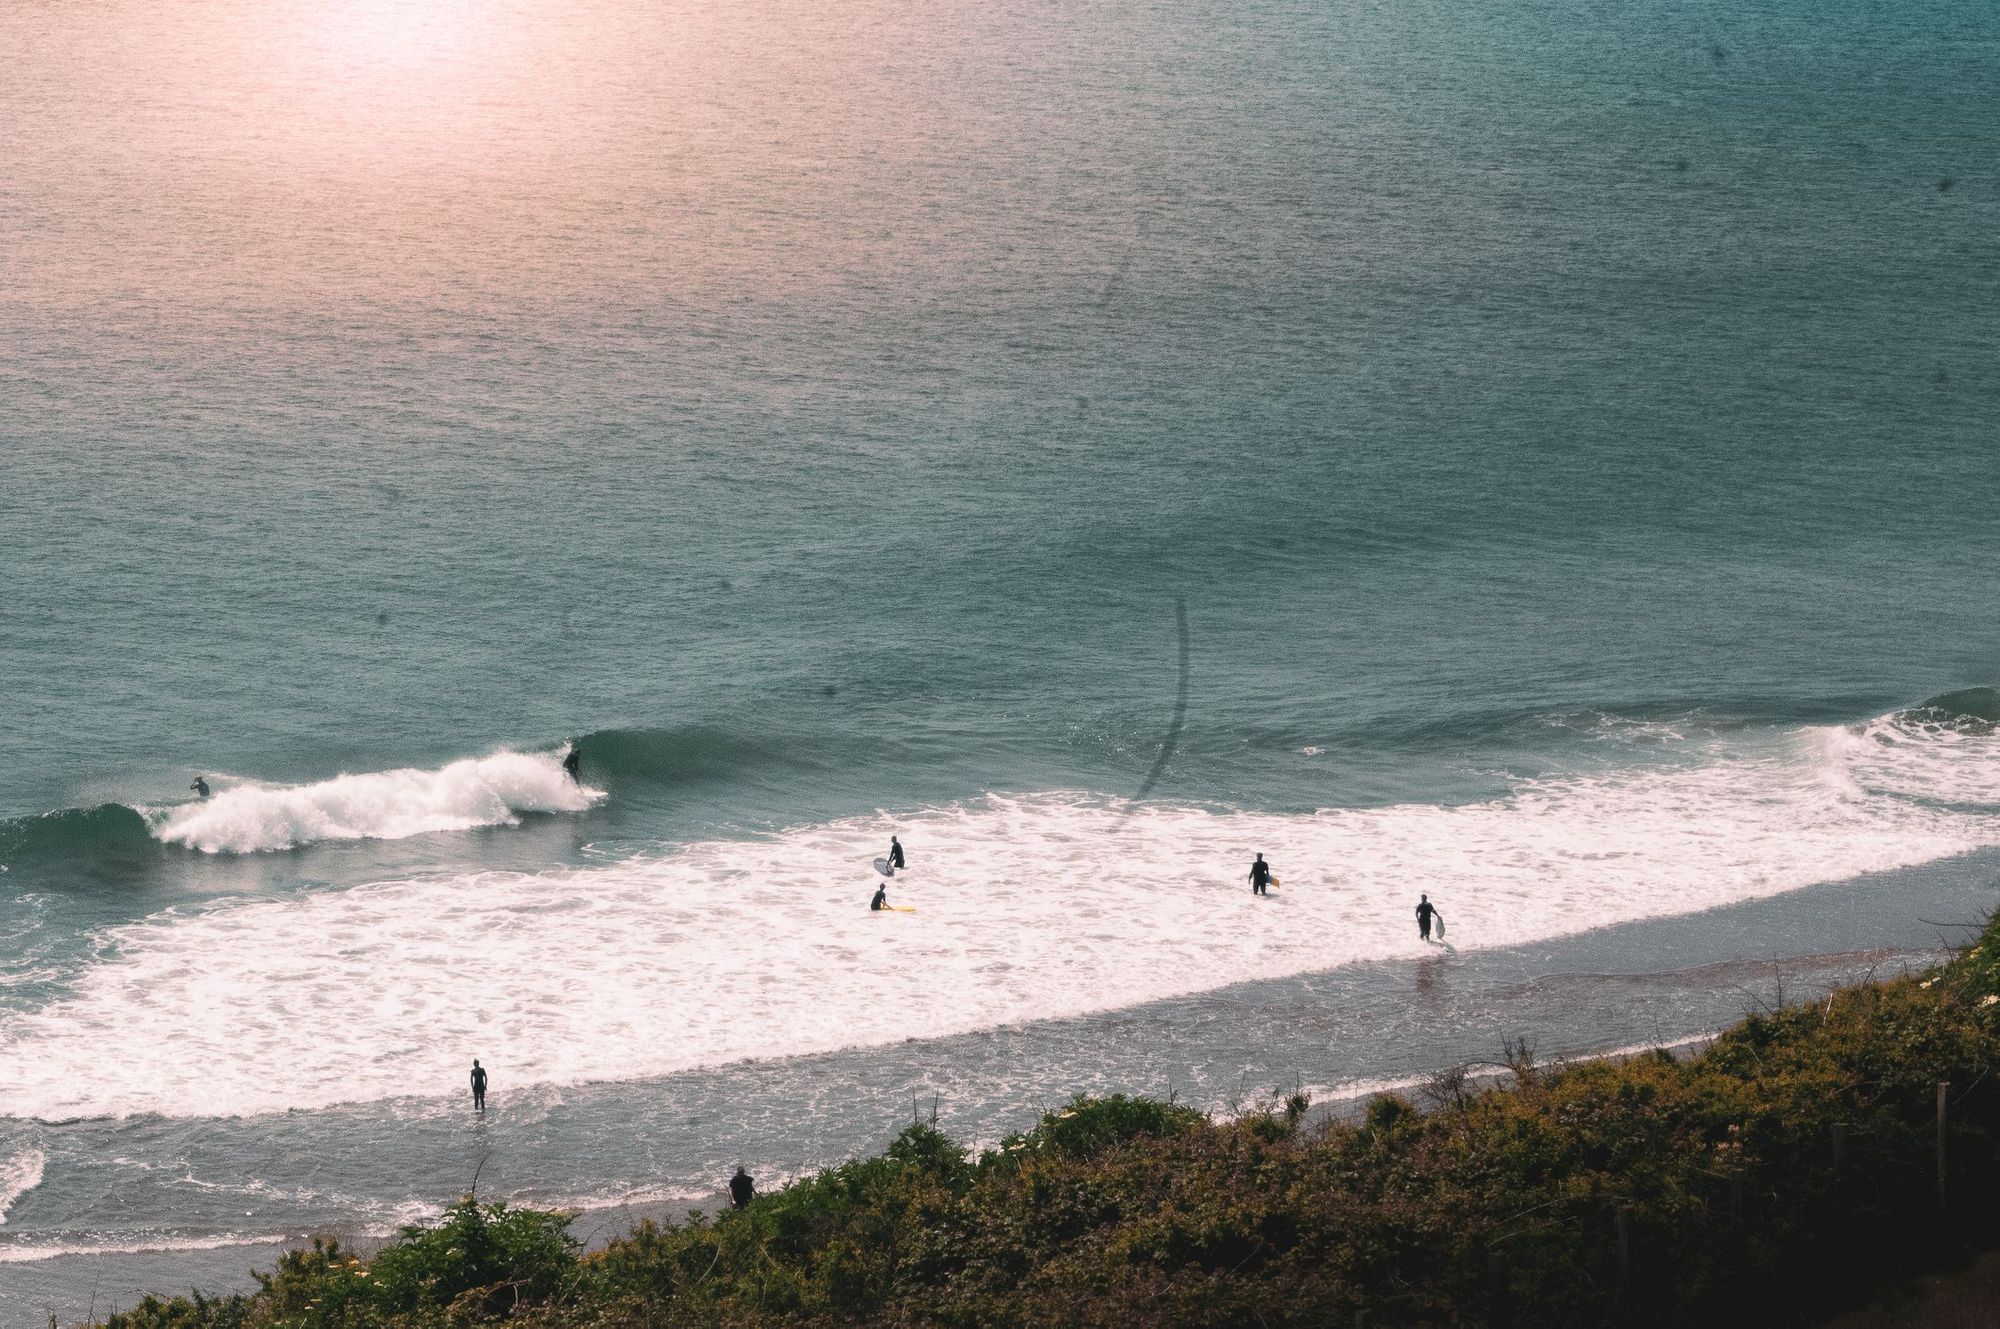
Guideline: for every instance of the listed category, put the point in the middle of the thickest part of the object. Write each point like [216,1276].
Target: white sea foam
[1907,758]
[19,1175]
[29,1254]
[379,805]
[1028,906]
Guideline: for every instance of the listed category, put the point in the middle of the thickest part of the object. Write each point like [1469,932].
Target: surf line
[1173,738]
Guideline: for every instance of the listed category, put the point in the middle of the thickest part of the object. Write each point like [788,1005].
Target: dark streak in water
[1173,737]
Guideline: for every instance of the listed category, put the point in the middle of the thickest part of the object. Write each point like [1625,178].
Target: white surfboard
[883,866]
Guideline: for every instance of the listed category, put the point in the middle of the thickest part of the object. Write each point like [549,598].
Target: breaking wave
[380,805]
[1028,906]
[19,1175]
[251,816]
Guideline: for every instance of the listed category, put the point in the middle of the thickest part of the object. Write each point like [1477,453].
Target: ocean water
[1542,456]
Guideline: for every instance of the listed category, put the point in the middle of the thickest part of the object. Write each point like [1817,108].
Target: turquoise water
[1570,431]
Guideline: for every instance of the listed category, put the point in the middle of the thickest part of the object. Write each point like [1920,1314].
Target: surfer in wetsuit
[1426,911]
[478,1086]
[200,786]
[742,1190]
[881,900]
[1260,877]
[573,764]
[895,852]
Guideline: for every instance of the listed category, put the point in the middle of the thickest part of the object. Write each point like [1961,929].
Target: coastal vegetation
[1810,1156]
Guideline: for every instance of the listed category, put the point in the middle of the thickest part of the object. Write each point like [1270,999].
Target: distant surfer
[895,852]
[478,1086]
[742,1190]
[1426,911]
[1260,877]
[200,786]
[573,764]
[881,900]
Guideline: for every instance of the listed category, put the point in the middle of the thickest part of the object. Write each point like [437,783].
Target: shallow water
[1568,431]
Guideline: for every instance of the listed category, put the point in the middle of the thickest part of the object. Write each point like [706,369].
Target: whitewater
[247,816]
[1028,906]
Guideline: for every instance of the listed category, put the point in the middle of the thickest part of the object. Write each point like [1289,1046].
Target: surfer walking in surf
[895,852]
[478,1086]
[1260,877]
[1426,911]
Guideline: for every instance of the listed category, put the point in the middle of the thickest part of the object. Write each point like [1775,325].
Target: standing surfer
[573,764]
[742,1190]
[200,786]
[478,1086]
[1426,911]
[895,852]
[1260,877]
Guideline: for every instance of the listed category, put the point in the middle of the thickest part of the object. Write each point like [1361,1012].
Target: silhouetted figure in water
[895,852]
[881,900]
[1426,911]
[742,1190]
[573,763]
[1260,877]
[200,786]
[478,1086]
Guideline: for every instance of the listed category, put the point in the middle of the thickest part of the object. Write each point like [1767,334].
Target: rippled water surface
[1568,433]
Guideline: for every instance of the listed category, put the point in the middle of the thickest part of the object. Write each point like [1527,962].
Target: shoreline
[1591,996]
[1712,1169]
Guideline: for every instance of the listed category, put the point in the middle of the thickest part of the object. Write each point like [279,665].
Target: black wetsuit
[881,900]
[1424,912]
[573,764]
[1260,878]
[895,852]
[742,1190]
[200,787]
[478,1089]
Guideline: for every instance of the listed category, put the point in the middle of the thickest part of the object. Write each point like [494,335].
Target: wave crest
[110,831]
[379,805]
[19,1175]
[1967,711]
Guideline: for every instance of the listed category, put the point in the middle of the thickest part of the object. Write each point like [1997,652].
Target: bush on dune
[1788,1169]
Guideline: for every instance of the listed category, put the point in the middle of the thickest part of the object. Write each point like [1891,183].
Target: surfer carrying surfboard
[895,852]
[1426,911]
[1260,877]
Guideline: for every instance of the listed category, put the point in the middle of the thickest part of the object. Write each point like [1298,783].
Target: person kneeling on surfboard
[1260,877]
[881,900]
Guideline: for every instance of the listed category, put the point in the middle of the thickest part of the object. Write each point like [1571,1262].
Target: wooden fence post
[1620,1218]
[1943,1127]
